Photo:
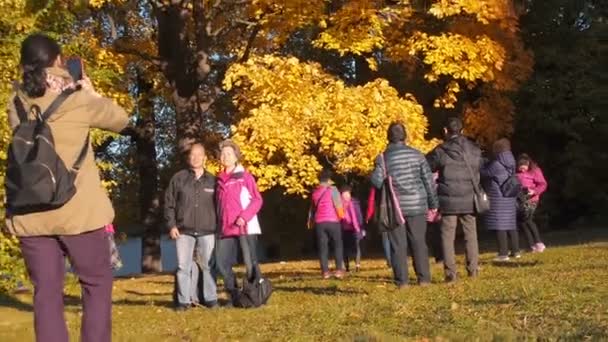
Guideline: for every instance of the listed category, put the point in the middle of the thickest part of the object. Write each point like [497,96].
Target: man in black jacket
[190,213]
[456,191]
[412,182]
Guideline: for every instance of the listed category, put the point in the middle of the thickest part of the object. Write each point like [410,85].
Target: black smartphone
[74,66]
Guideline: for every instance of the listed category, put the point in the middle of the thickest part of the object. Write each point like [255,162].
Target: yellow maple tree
[297,118]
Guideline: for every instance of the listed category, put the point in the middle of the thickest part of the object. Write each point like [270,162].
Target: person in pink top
[239,202]
[534,185]
[352,228]
[326,212]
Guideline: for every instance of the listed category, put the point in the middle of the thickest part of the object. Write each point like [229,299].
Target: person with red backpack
[326,213]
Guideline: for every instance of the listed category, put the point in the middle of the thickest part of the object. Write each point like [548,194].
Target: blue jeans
[187,271]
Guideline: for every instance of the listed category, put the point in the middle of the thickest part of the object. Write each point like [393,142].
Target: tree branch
[250,42]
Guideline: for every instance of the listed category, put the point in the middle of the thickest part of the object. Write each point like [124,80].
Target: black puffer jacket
[455,188]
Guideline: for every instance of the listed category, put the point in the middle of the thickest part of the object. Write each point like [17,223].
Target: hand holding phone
[75,68]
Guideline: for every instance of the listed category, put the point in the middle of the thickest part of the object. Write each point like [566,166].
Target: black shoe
[450,279]
[212,305]
[182,307]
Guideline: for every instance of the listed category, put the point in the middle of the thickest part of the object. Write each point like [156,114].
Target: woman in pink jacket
[534,185]
[326,213]
[239,202]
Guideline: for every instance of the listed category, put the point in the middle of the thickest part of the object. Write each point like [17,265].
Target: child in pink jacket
[534,185]
[352,228]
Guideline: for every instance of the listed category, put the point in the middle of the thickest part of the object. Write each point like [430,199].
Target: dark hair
[454,126]
[525,159]
[501,145]
[346,188]
[38,52]
[325,175]
[396,132]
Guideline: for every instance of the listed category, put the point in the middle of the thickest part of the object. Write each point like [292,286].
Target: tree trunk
[149,201]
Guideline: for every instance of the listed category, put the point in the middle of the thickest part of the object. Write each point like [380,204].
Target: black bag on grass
[254,293]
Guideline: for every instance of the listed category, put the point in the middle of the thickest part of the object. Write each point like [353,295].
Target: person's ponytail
[38,52]
[34,80]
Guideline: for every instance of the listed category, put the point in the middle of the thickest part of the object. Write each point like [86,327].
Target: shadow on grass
[70,300]
[13,302]
[321,291]
[151,294]
[515,264]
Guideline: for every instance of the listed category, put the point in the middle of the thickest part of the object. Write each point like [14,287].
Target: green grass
[561,294]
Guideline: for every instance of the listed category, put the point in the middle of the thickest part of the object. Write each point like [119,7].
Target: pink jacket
[353,219]
[327,204]
[533,179]
[231,190]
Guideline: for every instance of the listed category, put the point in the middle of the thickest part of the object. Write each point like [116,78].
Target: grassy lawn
[560,294]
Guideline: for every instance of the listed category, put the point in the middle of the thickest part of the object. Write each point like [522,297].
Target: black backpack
[254,293]
[511,187]
[36,177]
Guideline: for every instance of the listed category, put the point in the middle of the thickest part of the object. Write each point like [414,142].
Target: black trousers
[415,231]
[327,231]
[528,226]
[502,237]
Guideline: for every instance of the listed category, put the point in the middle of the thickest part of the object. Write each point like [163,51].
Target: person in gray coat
[502,216]
[412,182]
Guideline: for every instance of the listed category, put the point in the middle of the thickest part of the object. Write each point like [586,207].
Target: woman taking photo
[76,228]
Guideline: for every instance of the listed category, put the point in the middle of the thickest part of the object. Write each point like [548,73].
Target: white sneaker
[502,258]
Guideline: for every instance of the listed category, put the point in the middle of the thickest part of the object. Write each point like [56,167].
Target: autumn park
[303,86]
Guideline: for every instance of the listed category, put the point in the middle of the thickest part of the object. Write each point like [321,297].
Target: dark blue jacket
[502,213]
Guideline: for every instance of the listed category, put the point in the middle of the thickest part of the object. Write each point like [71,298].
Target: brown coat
[90,208]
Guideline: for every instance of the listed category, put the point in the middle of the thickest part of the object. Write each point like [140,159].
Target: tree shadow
[14,302]
[148,294]
[371,279]
[155,303]
[515,264]
[321,291]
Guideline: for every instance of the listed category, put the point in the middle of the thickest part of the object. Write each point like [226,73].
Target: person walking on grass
[326,212]
[501,217]
[412,181]
[457,161]
[533,186]
[352,228]
[74,228]
[239,202]
[190,213]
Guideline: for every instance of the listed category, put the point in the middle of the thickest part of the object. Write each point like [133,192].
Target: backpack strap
[22,113]
[58,101]
[20,108]
[83,153]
